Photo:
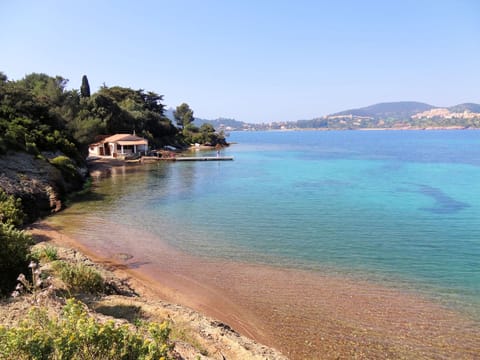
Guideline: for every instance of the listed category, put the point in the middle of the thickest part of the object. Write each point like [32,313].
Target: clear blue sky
[256,61]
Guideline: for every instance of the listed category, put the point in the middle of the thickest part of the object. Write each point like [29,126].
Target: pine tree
[85,88]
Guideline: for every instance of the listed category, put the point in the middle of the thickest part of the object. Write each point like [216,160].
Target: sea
[399,208]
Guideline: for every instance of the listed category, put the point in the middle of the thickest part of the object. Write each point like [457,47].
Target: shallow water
[400,207]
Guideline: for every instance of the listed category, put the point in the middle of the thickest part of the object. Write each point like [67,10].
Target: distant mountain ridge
[388,115]
[389,109]
[394,115]
[221,123]
[404,109]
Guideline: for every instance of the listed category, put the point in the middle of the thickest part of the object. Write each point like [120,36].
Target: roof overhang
[136,142]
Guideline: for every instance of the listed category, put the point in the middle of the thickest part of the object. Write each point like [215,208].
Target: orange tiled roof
[123,137]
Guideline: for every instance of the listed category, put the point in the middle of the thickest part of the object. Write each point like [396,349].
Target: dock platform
[204,158]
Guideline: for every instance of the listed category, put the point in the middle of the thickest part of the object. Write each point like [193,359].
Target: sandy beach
[303,314]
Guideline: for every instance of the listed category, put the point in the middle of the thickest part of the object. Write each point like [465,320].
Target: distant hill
[389,115]
[395,115]
[474,108]
[221,123]
[396,110]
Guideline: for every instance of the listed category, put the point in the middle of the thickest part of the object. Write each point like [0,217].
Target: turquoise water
[401,207]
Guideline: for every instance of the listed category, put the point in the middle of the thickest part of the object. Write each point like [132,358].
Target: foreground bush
[46,254]
[11,212]
[76,335]
[79,277]
[68,168]
[14,253]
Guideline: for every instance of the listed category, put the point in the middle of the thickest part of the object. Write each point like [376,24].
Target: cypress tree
[85,88]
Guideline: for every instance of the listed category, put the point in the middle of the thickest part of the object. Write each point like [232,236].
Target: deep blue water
[401,207]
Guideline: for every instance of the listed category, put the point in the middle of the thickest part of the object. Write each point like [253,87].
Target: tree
[208,133]
[85,88]
[46,89]
[183,115]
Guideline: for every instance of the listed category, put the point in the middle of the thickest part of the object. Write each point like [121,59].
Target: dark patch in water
[444,204]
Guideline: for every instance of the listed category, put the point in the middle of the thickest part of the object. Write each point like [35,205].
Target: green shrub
[79,277]
[76,335]
[14,252]
[46,254]
[67,167]
[11,212]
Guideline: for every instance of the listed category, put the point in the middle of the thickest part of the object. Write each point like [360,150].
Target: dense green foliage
[38,114]
[183,115]
[76,335]
[32,114]
[11,212]
[205,134]
[14,252]
[123,110]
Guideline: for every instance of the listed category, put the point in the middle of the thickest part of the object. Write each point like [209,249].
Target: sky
[254,61]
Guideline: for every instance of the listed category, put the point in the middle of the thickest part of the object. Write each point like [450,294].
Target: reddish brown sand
[305,315]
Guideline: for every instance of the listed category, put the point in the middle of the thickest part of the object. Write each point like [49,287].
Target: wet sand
[305,315]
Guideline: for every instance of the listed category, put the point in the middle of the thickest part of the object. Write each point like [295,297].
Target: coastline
[400,128]
[301,313]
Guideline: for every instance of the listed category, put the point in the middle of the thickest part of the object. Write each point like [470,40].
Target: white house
[119,145]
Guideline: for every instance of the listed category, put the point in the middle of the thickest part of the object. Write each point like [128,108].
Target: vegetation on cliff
[38,114]
[45,131]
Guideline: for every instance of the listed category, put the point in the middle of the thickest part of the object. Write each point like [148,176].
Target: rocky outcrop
[41,186]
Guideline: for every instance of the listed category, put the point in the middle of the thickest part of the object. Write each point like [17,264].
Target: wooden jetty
[203,158]
[149,159]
